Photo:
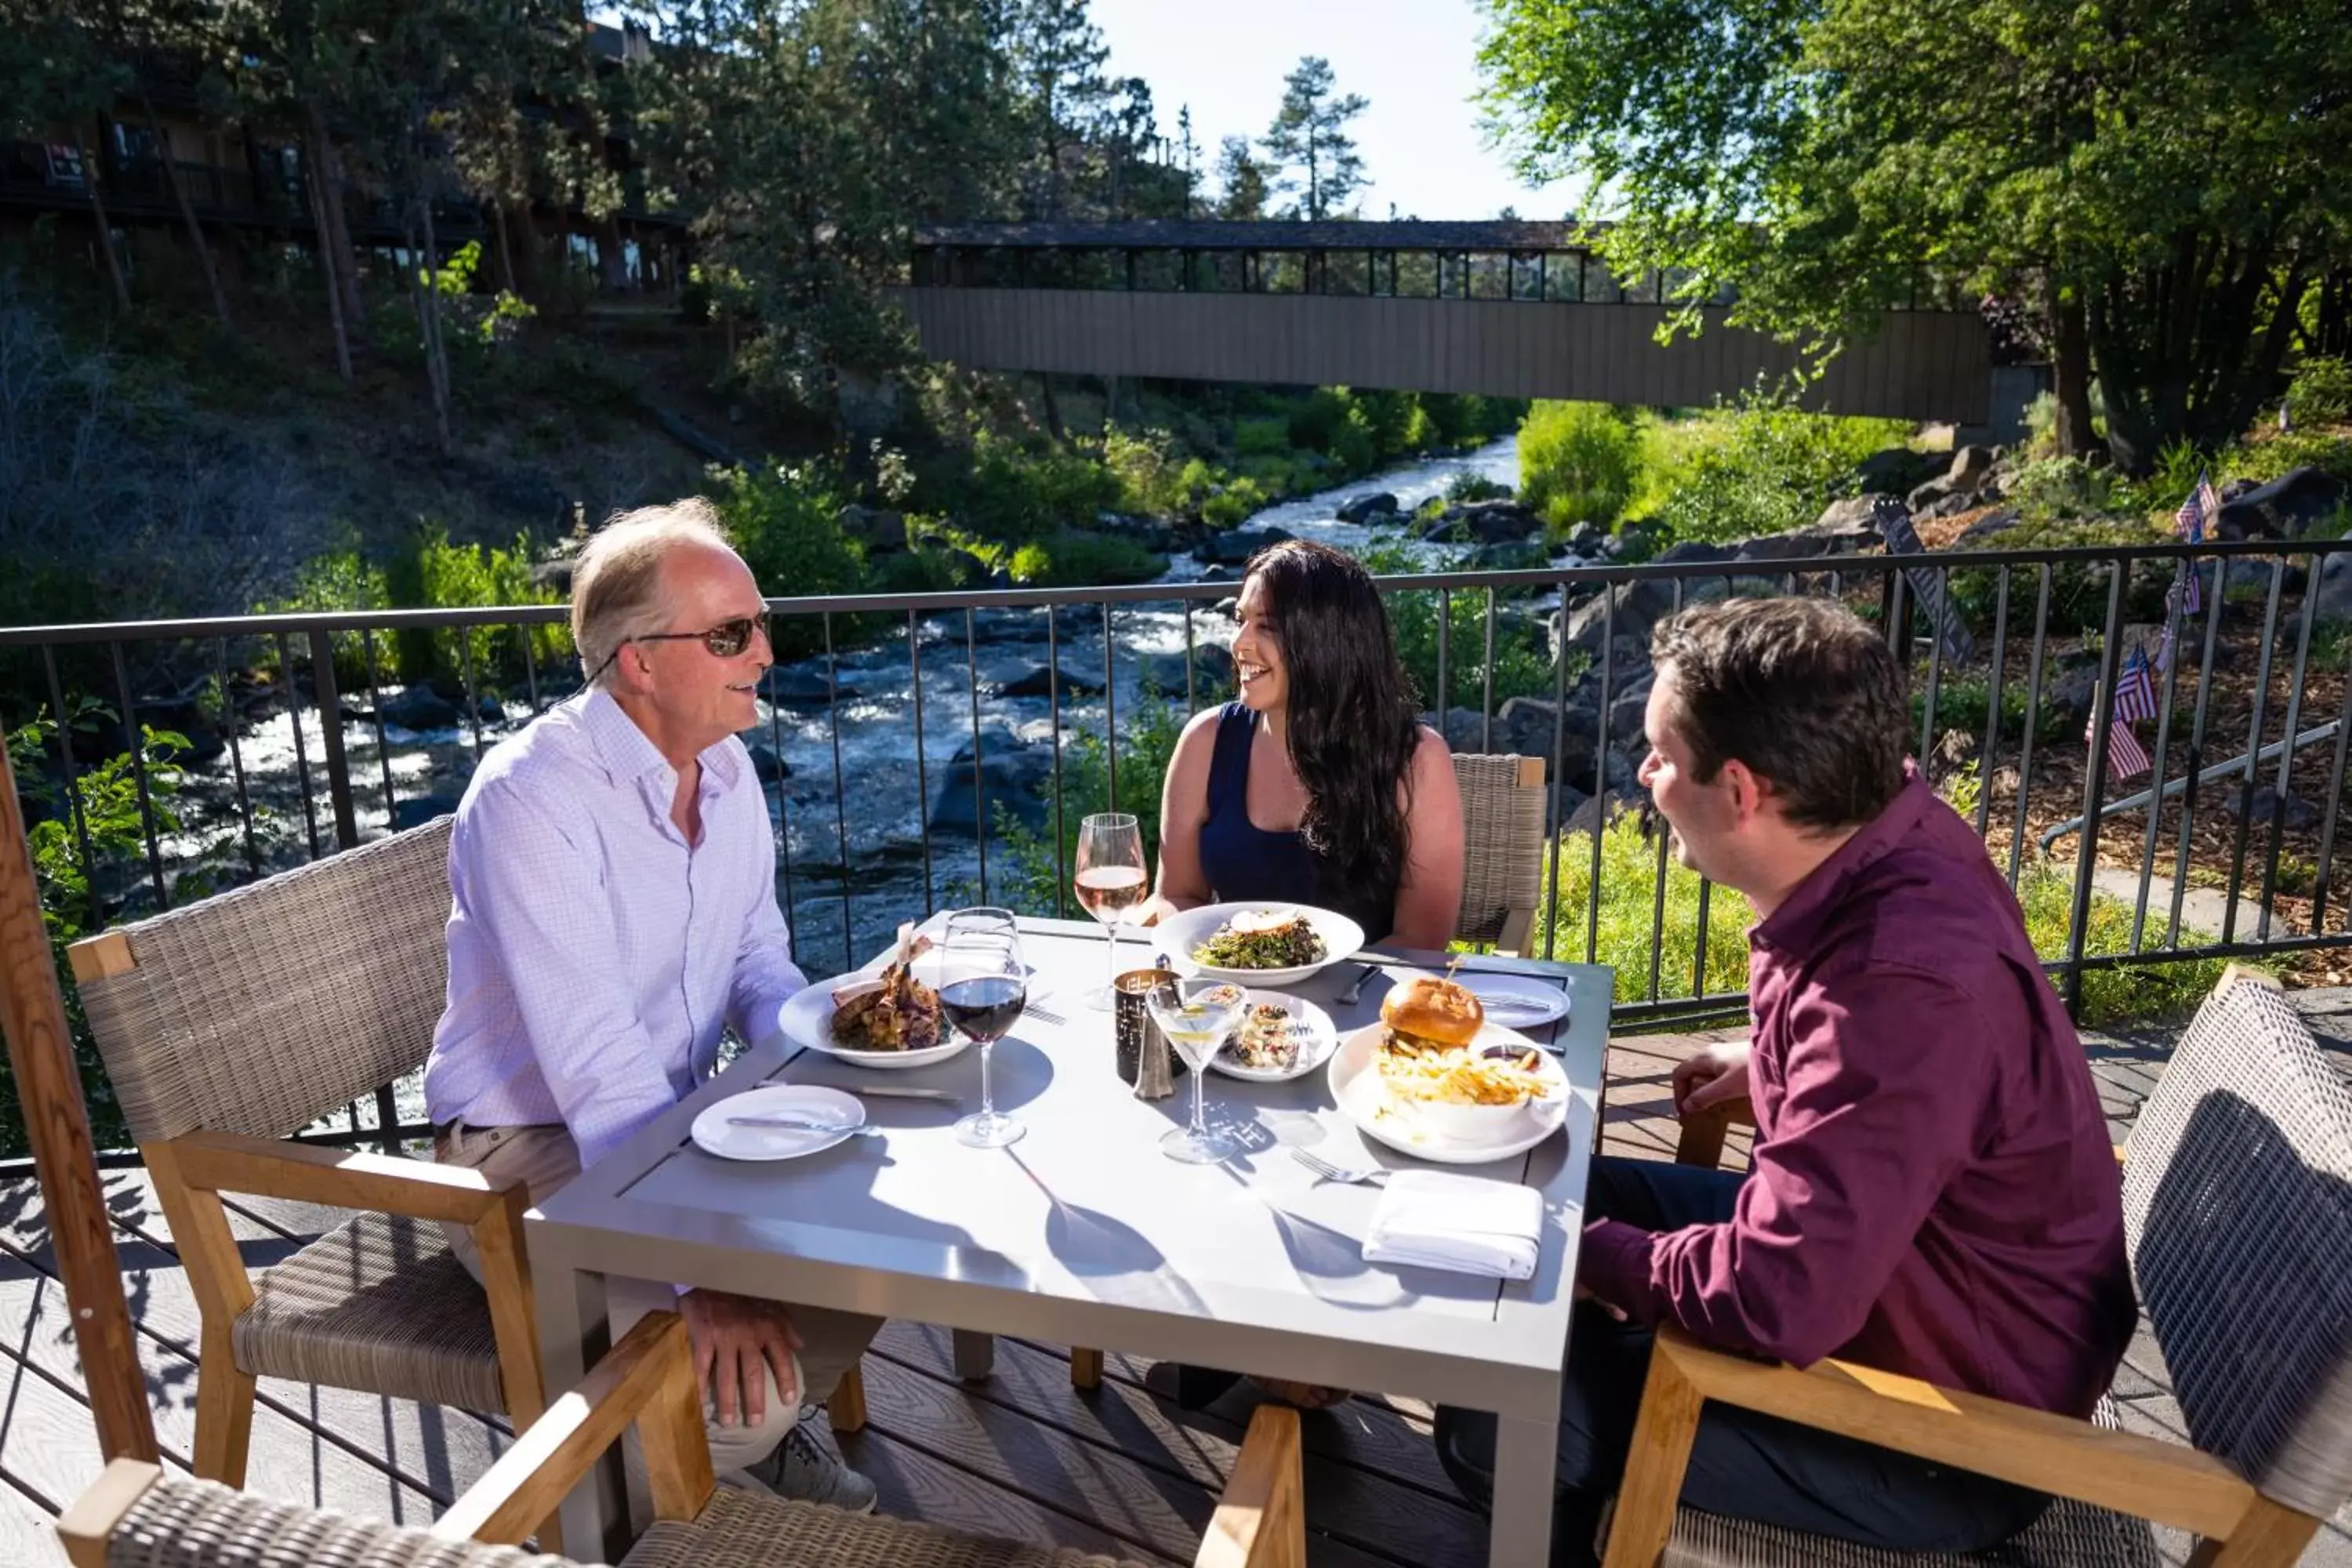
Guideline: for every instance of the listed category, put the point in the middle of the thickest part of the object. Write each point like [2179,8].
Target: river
[864,833]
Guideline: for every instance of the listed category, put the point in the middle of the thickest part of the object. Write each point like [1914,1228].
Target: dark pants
[1742,1464]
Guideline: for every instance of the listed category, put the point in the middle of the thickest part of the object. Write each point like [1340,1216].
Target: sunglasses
[725,640]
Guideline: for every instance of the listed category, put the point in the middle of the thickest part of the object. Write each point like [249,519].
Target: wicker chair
[231,1023]
[2238,1212]
[136,1514]
[1503,807]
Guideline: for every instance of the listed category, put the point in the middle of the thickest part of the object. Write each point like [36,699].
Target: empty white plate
[716,1133]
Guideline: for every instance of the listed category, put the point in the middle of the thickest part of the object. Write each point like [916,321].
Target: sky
[1416,60]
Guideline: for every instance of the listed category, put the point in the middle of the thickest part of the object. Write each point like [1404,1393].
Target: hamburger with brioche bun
[1425,1012]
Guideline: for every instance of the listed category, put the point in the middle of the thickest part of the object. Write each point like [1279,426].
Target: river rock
[1013,773]
[1483,522]
[1235,548]
[1510,556]
[418,709]
[1693,551]
[1586,540]
[1929,494]
[2335,590]
[1602,809]
[1213,671]
[1152,532]
[880,530]
[1893,471]
[1040,682]
[766,761]
[1364,510]
[2286,507]
[799,686]
[1639,606]
[1988,526]
[1971,467]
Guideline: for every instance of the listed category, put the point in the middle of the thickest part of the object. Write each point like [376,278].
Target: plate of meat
[885,1017]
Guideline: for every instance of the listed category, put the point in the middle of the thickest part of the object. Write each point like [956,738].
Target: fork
[1043,1014]
[1375,1174]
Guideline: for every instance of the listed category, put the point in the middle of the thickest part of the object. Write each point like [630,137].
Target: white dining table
[1083,1232]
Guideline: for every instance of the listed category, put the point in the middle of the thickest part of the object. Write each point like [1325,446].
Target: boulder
[1511,555]
[1929,494]
[2286,507]
[1013,773]
[419,810]
[2072,687]
[1235,547]
[1971,467]
[1363,509]
[2269,806]
[1631,610]
[419,708]
[1853,515]
[1602,809]
[1986,526]
[1893,471]
[800,686]
[1040,682]
[1951,505]
[1693,551]
[1586,540]
[766,761]
[1844,529]
[1493,521]
[1629,708]
[2335,591]
[875,528]
[1213,671]
[1152,532]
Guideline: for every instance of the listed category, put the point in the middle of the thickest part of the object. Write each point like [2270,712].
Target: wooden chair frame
[191,1173]
[648,1380]
[2167,1483]
[1520,929]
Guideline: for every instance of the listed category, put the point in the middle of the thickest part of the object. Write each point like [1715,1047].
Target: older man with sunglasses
[613,908]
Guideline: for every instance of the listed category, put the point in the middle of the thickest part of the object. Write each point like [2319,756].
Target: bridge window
[1277,272]
[1527,276]
[1347,272]
[1563,276]
[1413,274]
[1159,270]
[1490,276]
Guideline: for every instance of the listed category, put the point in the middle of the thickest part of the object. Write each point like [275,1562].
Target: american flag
[2126,757]
[2202,507]
[2135,691]
[2164,647]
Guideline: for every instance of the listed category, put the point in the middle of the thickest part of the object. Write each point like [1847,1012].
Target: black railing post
[2094,781]
[330,737]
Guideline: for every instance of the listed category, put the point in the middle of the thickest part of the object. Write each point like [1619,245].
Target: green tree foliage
[1243,184]
[1577,462]
[2166,179]
[1307,146]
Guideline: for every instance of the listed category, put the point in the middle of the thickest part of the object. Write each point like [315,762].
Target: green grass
[1628,866]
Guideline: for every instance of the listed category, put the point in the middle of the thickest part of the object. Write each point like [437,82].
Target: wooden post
[40,1053]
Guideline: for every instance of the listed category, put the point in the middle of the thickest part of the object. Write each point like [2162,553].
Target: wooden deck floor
[1120,1471]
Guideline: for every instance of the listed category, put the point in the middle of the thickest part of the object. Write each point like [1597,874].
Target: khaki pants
[543,1158]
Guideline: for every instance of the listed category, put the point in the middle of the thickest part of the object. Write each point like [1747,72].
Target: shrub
[1577,462]
[1261,438]
[1084,561]
[1465,488]
[1234,503]
[1014,493]
[1755,467]
[1523,666]
[434,574]
[781,523]
[2322,390]
[1031,882]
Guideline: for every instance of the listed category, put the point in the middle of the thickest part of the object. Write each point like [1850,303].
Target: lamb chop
[896,1012]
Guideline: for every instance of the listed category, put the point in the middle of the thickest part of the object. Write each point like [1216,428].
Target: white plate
[1514,1001]
[1179,935]
[1311,1027]
[1364,1101]
[811,1101]
[807,1020]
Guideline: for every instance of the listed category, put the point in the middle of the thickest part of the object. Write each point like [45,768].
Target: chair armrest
[2166,1482]
[345,1178]
[1261,1519]
[648,1378]
[1701,1140]
[93,1517]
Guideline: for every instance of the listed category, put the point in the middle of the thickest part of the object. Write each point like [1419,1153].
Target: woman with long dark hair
[1320,785]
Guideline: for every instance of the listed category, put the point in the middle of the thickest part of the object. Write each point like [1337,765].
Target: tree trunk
[329,268]
[1053,408]
[327,176]
[2070,354]
[612,265]
[105,236]
[187,213]
[506,252]
[422,263]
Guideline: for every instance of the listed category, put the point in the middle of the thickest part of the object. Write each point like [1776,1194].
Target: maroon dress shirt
[1933,1190]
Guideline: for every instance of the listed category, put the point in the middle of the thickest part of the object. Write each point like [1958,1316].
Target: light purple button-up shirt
[594,955]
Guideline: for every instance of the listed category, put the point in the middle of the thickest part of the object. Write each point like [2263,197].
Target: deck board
[1119,1472]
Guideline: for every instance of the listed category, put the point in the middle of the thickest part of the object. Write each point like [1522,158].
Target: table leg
[1524,1467]
[572,1336]
[975,1355]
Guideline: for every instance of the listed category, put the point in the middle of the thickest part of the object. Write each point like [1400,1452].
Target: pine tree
[1308,145]
[1242,188]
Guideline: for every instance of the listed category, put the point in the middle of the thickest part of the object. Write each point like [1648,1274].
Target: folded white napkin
[1470,1224]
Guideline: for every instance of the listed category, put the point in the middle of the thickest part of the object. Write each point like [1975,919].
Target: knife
[797,1124]
[886,1092]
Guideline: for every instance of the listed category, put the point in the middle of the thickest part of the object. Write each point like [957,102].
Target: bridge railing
[924,750]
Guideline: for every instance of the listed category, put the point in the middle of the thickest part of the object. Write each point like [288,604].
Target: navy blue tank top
[1247,864]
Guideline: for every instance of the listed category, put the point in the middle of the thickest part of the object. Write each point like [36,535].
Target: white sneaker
[801,1470]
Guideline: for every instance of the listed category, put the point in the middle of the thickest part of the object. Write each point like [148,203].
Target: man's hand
[732,1335]
[1710,1077]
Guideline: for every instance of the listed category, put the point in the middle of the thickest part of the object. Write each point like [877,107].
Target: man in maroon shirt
[1932,1189]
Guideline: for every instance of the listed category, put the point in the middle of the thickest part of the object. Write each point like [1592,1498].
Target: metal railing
[309,761]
